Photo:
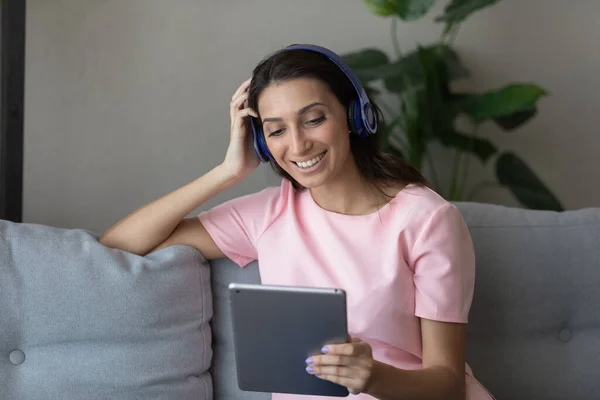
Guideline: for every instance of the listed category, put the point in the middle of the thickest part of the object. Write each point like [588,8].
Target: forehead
[281,98]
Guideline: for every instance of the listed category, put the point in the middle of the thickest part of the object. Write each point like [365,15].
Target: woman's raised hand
[240,159]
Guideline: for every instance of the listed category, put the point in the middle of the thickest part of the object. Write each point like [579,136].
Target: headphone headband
[361,115]
[368,118]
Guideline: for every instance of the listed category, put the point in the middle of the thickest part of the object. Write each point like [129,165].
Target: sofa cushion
[83,321]
[534,327]
[224,374]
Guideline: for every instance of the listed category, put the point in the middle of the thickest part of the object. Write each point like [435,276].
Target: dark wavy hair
[376,167]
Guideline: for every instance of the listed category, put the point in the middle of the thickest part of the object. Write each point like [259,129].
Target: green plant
[430,111]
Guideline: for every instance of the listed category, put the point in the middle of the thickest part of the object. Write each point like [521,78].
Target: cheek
[275,147]
[340,139]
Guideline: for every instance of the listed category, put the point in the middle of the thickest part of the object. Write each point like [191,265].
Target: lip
[310,158]
[312,168]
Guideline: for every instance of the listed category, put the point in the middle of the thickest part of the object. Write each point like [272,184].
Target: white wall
[127,100]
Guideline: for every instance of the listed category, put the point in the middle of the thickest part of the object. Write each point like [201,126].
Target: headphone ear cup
[354,118]
[260,147]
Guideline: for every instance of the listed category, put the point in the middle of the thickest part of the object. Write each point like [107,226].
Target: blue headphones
[361,116]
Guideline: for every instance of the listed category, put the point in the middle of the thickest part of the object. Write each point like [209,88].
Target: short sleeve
[237,225]
[443,261]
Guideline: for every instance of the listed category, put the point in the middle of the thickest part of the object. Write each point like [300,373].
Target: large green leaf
[366,58]
[512,172]
[408,71]
[367,64]
[407,10]
[429,112]
[481,148]
[456,69]
[410,10]
[513,121]
[458,10]
[371,92]
[373,64]
[383,8]
[507,101]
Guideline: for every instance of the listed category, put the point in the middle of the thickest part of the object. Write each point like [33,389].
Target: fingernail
[310,368]
[324,350]
[309,360]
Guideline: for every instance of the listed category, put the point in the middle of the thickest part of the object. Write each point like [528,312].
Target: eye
[316,121]
[276,133]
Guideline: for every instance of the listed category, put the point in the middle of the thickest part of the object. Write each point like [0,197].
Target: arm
[443,373]
[161,223]
[443,262]
[442,377]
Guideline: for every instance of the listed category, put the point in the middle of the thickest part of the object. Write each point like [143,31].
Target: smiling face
[306,130]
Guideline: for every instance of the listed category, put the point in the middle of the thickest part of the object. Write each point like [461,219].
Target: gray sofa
[82,321]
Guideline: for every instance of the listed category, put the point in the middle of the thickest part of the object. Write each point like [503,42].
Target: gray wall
[127,100]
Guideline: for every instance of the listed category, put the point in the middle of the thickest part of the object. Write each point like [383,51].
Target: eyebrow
[300,112]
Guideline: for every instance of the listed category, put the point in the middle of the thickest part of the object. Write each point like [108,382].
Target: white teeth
[310,163]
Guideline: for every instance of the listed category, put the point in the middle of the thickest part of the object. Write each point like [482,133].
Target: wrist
[376,386]
[389,383]
[224,177]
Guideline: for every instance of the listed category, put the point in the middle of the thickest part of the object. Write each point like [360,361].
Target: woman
[345,215]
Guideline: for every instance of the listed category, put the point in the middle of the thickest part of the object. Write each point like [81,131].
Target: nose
[300,143]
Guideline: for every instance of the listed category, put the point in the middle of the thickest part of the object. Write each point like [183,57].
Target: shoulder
[263,205]
[270,197]
[421,208]
[421,201]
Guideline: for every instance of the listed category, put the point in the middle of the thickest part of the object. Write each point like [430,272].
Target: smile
[310,163]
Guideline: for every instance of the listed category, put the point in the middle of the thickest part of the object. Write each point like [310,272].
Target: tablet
[276,328]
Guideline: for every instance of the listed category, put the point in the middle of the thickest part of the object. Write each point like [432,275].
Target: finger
[237,104]
[238,101]
[239,118]
[337,360]
[349,349]
[245,112]
[360,366]
[337,370]
[353,385]
[242,88]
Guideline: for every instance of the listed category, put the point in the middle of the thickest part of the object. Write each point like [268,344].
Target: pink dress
[412,259]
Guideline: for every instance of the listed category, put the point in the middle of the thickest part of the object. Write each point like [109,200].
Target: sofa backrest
[223,369]
[79,320]
[534,329]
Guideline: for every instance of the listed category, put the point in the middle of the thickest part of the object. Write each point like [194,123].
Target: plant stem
[454,194]
[395,37]
[462,178]
[451,34]
[434,175]
[415,157]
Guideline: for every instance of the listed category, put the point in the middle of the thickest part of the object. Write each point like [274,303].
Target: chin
[310,183]
[314,181]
